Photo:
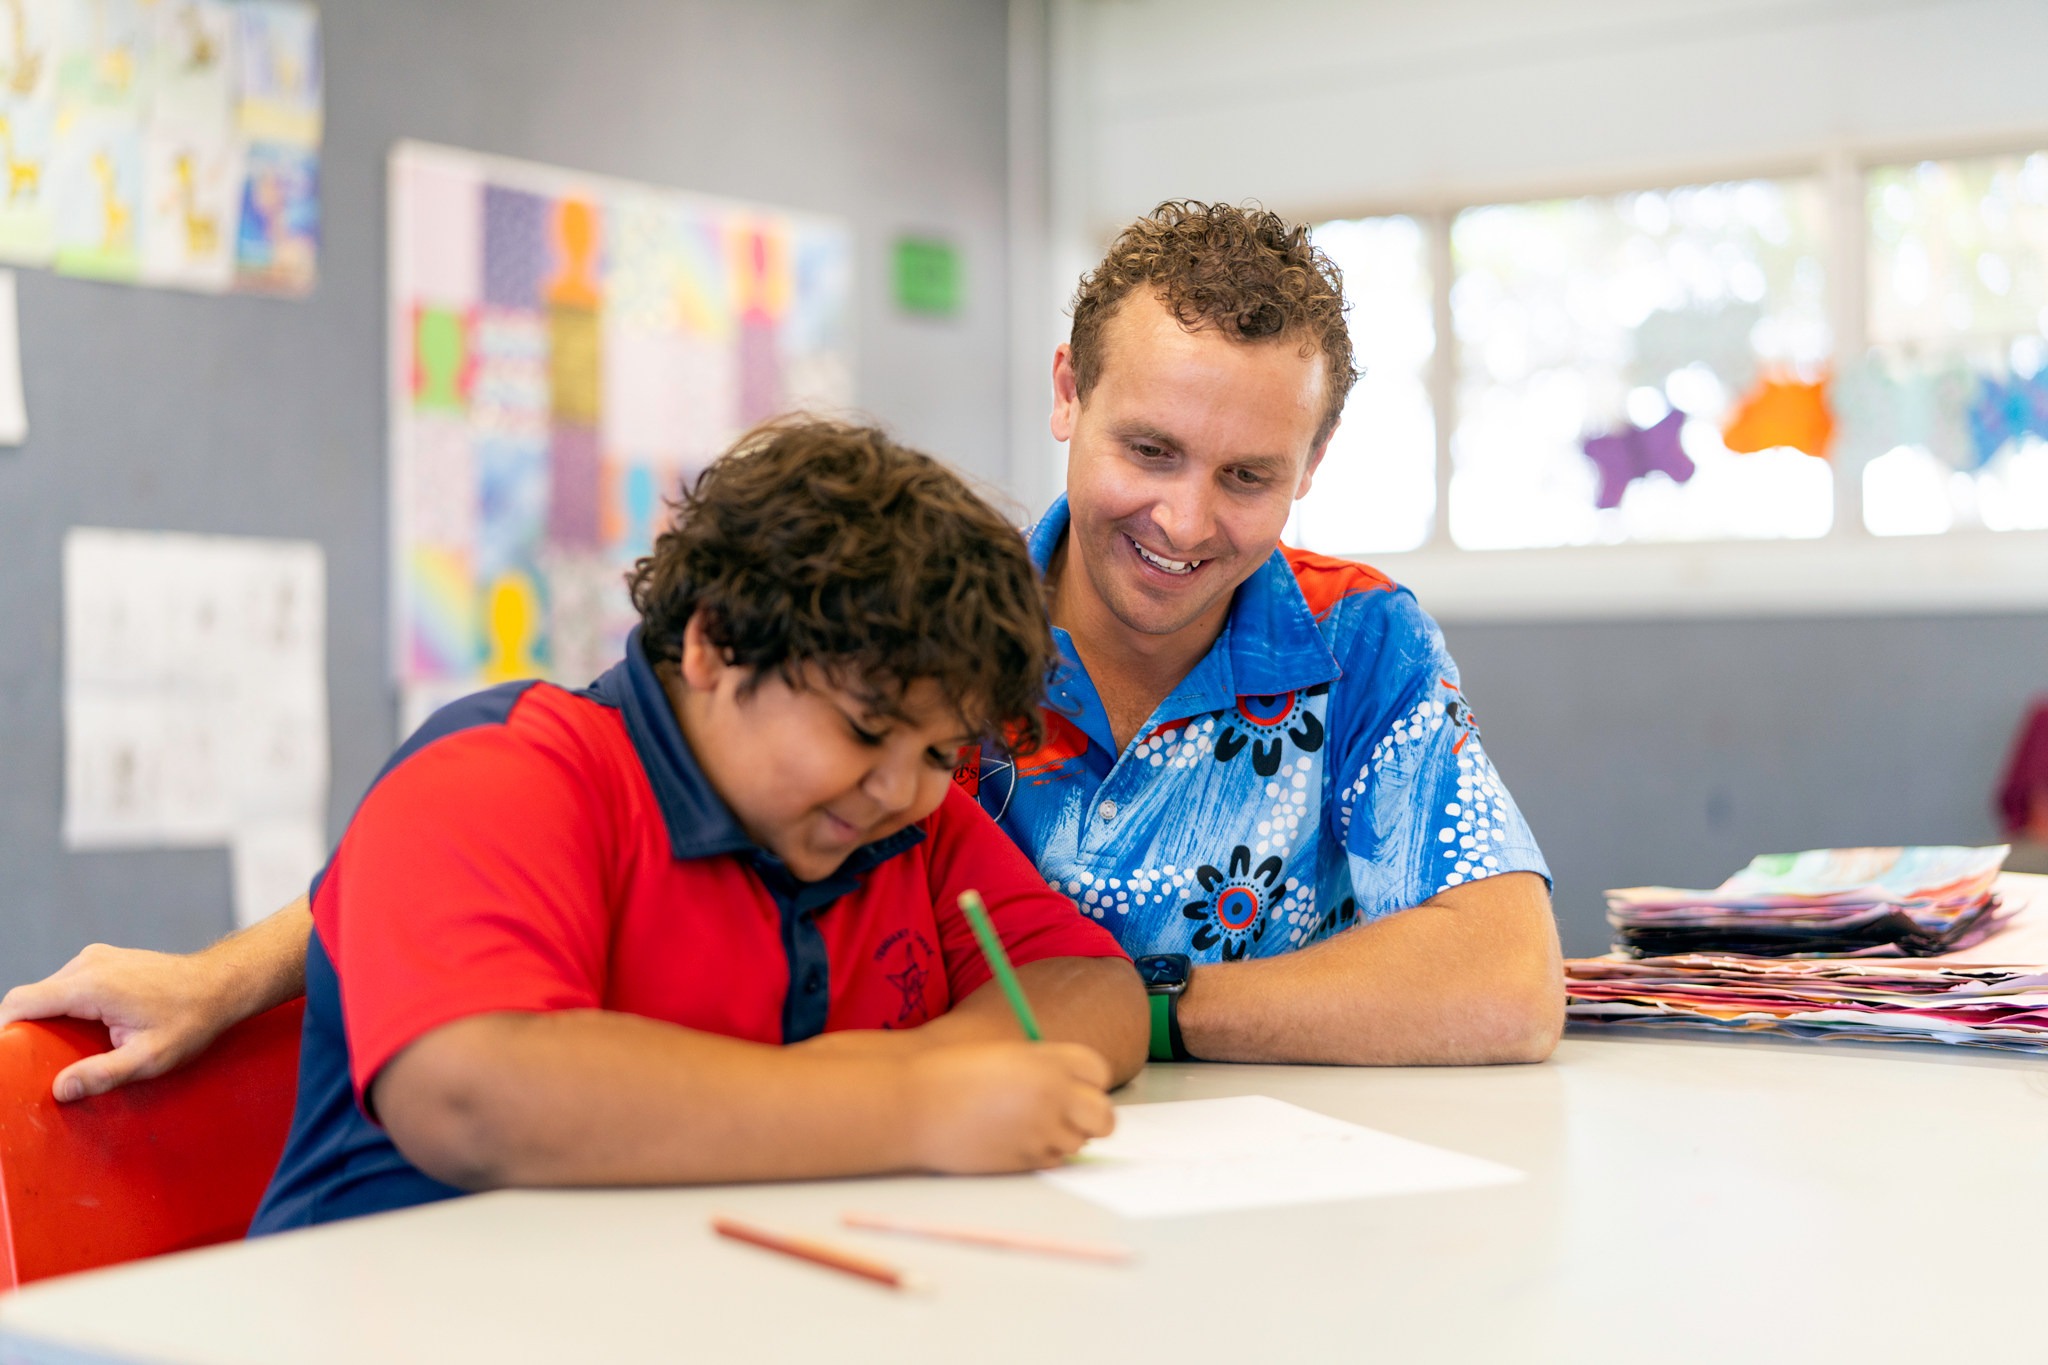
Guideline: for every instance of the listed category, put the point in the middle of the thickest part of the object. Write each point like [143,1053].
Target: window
[1950,409]
[1644,319]
[1700,363]
[1376,489]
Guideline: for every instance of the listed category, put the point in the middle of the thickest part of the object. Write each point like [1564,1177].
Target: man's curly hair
[816,542]
[1242,270]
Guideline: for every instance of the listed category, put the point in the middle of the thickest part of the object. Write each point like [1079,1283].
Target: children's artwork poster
[565,350]
[195,702]
[162,142]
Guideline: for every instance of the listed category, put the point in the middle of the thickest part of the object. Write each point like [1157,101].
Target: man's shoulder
[1325,580]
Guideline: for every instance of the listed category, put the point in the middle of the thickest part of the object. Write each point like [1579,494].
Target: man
[1260,760]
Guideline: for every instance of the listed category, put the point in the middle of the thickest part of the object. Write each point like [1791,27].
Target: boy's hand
[983,1108]
[161,1009]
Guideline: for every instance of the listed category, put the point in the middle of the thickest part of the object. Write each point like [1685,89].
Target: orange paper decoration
[1782,413]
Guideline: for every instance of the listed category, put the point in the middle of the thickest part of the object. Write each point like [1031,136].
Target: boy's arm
[589,1097]
[164,1009]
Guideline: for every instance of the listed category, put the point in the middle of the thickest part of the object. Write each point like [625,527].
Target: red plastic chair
[157,1166]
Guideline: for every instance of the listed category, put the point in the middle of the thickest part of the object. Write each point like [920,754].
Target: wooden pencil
[989,1237]
[814,1251]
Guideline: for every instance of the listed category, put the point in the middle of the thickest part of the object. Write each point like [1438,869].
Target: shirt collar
[1269,645]
[700,824]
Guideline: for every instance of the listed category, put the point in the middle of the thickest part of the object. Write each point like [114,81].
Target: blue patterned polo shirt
[1319,768]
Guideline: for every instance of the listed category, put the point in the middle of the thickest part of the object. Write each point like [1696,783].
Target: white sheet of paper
[1253,1151]
[195,700]
[13,410]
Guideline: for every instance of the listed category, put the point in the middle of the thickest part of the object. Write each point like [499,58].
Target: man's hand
[984,1108]
[163,1009]
[1472,975]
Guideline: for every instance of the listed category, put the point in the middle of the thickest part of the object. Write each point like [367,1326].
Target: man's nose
[1185,512]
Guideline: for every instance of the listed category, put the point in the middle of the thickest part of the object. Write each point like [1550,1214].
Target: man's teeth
[1169,565]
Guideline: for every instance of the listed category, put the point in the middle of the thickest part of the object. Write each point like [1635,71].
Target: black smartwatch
[1165,976]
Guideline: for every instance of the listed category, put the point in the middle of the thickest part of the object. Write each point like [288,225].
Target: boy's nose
[892,783]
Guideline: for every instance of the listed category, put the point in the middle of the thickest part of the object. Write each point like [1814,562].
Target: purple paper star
[1628,454]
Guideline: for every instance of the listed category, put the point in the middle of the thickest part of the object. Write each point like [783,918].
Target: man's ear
[1066,393]
[1315,460]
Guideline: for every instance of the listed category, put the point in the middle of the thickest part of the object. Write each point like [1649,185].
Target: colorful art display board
[162,142]
[565,350]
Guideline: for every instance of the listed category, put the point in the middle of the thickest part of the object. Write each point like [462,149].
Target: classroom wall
[1664,752]
[152,409]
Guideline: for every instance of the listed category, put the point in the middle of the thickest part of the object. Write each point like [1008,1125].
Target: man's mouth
[1165,565]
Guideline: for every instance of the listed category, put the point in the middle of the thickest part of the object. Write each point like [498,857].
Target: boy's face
[1182,465]
[813,773]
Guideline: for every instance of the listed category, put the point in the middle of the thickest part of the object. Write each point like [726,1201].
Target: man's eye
[1150,452]
[1247,478]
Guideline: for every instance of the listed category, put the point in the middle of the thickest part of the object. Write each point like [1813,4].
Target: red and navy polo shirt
[536,849]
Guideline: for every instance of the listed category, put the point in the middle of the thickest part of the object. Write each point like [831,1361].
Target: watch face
[1166,970]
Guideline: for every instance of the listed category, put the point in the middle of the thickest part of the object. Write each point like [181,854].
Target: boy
[697,922]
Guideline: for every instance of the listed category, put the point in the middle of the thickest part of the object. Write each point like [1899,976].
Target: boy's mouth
[1178,567]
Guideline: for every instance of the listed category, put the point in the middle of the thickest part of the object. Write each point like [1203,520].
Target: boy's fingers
[1084,1063]
[1091,1114]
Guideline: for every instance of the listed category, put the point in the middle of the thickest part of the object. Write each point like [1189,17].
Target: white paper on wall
[195,702]
[13,410]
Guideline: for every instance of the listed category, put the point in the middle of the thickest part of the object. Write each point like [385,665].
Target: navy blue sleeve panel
[336,1163]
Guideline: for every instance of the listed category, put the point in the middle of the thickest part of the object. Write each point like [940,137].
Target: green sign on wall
[927,277]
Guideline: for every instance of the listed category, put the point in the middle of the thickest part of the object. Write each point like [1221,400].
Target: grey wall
[151,409]
[1670,754]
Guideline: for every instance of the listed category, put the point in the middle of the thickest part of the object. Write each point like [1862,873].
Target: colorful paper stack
[1991,993]
[1914,902]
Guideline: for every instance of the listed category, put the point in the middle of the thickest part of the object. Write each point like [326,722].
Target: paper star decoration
[1628,454]
[2006,411]
[1778,413]
[1927,407]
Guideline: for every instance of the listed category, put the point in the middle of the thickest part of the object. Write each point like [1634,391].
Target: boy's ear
[703,663]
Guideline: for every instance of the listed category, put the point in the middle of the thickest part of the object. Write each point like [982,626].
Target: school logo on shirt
[913,954]
[1233,911]
[1266,723]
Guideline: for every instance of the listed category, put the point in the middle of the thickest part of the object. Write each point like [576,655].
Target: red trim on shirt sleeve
[471,881]
[1034,921]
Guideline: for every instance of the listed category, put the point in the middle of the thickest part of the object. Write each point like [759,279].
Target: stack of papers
[1993,993]
[1914,902]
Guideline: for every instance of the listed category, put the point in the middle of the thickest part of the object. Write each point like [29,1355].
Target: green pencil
[999,961]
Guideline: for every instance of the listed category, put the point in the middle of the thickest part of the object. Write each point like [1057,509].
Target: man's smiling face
[1182,464]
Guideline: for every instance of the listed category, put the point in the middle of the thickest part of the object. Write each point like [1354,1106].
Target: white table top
[1688,1199]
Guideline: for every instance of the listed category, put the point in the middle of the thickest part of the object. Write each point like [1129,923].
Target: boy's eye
[943,761]
[867,737]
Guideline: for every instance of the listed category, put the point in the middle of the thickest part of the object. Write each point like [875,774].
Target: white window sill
[1958,573]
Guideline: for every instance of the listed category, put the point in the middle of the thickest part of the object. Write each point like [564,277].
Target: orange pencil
[816,1252]
[989,1237]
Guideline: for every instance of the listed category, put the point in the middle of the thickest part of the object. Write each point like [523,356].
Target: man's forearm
[1473,975]
[263,965]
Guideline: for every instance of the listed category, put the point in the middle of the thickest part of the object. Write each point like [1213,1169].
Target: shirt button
[1107,810]
[811,983]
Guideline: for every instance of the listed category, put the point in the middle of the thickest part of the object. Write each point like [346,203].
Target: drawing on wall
[565,351]
[162,142]
[195,702]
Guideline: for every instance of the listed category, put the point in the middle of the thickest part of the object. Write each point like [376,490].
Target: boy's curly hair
[818,542]
[1242,270]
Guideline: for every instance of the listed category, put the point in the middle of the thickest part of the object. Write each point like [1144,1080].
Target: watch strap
[1166,1040]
